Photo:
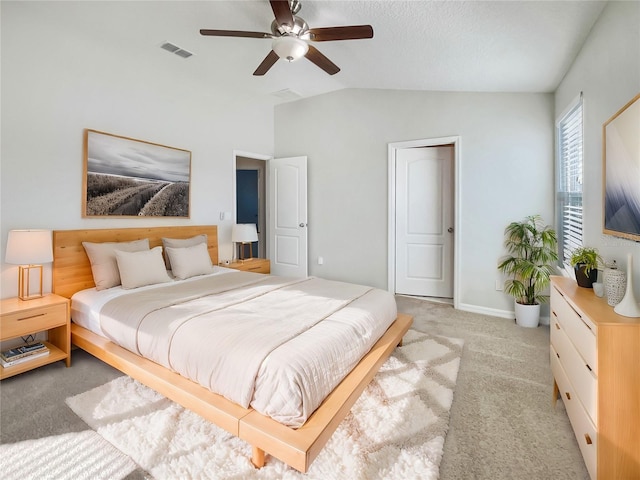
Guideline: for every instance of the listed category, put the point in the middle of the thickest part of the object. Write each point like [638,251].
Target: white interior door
[287,216]
[424,221]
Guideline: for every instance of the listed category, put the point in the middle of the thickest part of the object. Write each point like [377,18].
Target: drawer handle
[557,326]
[588,439]
[579,316]
[585,323]
[32,316]
[587,365]
[557,355]
[568,395]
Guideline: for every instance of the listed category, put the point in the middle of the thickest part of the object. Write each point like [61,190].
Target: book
[22,351]
[28,358]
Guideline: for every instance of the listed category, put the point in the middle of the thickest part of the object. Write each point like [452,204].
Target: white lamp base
[628,306]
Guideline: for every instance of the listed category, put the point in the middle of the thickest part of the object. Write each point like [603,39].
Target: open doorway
[251,198]
[282,209]
[424,218]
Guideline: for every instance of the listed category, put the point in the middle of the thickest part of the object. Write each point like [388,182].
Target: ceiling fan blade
[321,61]
[235,33]
[353,32]
[267,63]
[282,12]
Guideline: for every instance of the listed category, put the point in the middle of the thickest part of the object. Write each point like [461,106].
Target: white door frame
[234,192]
[391,228]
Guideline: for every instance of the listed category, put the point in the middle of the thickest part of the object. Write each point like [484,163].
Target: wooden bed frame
[295,447]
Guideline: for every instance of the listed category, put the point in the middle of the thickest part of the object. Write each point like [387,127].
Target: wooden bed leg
[257,458]
[400,342]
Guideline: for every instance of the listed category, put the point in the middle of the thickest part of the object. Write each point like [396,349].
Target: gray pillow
[138,269]
[190,261]
[181,243]
[103,260]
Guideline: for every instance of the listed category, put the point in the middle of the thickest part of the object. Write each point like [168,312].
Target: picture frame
[621,172]
[126,177]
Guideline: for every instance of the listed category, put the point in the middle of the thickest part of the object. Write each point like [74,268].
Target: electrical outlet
[499,285]
[320,261]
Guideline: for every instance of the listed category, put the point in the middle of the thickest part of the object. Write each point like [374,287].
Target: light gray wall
[57,82]
[506,173]
[607,71]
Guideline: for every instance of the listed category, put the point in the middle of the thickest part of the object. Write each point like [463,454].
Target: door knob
[450,229]
[303,224]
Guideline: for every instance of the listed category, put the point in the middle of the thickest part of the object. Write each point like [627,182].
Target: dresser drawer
[583,380]
[29,321]
[255,265]
[257,268]
[579,329]
[585,431]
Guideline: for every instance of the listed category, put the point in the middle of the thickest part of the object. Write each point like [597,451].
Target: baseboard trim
[494,312]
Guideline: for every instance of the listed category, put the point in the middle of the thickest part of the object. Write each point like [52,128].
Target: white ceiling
[480,46]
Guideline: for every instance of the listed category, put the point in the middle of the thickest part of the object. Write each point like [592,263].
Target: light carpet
[395,430]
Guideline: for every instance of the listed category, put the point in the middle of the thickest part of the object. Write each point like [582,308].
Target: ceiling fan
[291,34]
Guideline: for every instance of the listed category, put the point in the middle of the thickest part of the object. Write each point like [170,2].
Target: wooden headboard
[71,267]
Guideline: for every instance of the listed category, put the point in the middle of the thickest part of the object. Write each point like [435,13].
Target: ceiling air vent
[170,47]
[183,53]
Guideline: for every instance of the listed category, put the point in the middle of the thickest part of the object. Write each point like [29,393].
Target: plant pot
[582,279]
[527,315]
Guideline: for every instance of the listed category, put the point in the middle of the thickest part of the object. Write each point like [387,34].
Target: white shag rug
[74,456]
[395,430]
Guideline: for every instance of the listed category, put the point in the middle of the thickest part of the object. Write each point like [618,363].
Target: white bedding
[278,345]
[86,304]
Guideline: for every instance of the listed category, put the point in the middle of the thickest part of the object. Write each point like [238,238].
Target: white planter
[527,315]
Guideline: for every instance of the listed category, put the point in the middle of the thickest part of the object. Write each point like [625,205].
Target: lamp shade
[290,48]
[244,233]
[28,247]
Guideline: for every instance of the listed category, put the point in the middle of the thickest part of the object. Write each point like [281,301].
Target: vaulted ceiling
[480,46]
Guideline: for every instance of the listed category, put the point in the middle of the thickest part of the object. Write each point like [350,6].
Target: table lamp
[244,234]
[29,249]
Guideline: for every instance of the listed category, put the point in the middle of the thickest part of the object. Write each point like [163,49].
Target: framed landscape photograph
[125,177]
[621,167]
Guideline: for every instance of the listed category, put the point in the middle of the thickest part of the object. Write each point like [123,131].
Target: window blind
[569,181]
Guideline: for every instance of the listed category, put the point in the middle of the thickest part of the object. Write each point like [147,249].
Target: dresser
[595,361]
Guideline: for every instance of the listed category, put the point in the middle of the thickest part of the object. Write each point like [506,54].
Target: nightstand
[256,265]
[19,318]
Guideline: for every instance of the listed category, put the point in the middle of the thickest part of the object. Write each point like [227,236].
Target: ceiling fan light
[290,48]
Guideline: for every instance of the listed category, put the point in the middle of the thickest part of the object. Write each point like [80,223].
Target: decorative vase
[598,289]
[628,306]
[615,283]
[527,315]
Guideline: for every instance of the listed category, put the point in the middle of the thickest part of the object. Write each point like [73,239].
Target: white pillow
[190,261]
[103,260]
[181,243]
[138,269]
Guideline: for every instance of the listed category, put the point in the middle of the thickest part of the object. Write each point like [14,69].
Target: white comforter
[279,345]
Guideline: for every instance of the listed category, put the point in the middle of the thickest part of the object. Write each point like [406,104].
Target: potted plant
[532,253]
[585,261]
